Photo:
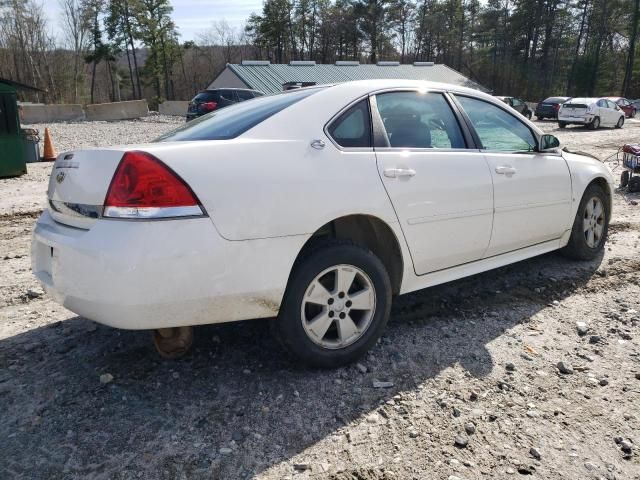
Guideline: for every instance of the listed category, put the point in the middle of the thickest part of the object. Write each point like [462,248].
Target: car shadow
[237,405]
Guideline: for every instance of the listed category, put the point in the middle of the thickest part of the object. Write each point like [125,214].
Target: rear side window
[353,128]
[242,95]
[496,128]
[227,96]
[419,120]
[235,120]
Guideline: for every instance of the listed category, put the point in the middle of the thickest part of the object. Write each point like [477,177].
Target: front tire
[590,225]
[336,306]
[562,125]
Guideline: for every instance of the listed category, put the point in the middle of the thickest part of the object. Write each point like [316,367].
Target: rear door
[615,112]
[441,190]
[532,191]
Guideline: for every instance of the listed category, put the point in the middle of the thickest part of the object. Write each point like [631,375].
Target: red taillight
[209,106]
[556,106]
[144,187]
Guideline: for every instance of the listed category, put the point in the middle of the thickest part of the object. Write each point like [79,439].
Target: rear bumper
[585,120]
[155,274]
[546,114]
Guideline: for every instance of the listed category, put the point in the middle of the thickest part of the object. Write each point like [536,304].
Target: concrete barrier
[117,110]
[40,113]
[174,107]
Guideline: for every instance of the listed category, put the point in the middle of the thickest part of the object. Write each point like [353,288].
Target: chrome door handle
[399,172]
[507,170]
[318,144]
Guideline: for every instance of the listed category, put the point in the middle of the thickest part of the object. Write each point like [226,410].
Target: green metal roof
[269,78]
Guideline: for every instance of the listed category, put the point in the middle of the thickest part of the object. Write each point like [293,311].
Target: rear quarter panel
[271,188]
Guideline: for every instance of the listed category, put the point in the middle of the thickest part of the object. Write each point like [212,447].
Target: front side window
[419,120]
[233,121]
[496,128]
[352,129]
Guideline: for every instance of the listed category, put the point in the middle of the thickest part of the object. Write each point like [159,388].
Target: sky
[191,16]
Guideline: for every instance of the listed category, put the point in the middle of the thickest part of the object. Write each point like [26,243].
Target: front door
[532,191]
[441,191]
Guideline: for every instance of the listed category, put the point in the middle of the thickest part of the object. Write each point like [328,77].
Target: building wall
[228,79]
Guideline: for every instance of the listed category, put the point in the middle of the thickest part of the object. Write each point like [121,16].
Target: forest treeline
[109,50]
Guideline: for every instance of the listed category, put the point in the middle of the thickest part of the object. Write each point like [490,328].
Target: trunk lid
[574,109]
[78,185]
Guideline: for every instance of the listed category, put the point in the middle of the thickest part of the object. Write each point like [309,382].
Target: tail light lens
[556,106]
[144,187]
[208,106]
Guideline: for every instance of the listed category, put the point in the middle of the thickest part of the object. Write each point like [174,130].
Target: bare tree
[75,27]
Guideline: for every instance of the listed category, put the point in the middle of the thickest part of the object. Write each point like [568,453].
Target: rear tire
[620,122]
[595,124]
[539,118]
[590,226]
[528,115]
[336,306]
[562,125]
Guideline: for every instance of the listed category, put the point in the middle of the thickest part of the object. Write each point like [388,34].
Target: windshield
[232,121]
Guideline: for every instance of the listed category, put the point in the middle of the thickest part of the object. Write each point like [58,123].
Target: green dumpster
[13,144]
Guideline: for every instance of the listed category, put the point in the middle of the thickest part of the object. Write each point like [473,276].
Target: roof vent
[347,63]
[256,62]
[302,63]
[388,64]
[423,64]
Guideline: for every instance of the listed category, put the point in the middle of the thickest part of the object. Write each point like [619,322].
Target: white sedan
[314,208]
[590,112]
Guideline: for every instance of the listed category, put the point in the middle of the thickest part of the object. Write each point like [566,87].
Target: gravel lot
[475,369]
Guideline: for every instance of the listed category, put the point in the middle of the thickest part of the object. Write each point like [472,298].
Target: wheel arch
[606,188]
[366,231]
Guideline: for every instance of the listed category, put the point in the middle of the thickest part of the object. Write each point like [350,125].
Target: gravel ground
[532,371]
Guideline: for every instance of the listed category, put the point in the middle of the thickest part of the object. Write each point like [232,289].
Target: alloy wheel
[338,306]
[593,222]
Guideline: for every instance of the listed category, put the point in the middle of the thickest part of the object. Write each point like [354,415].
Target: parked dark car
[217,98]
[549,107]
[625,105]
[518,105]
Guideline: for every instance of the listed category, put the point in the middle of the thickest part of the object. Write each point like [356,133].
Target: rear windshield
[555,100]
[232,121]
[205,97]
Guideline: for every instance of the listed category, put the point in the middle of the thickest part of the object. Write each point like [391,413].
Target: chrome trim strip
[76,209]
[450,216]
[526,206]
[153,212]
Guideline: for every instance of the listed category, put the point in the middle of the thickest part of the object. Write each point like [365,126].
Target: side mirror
[549,143]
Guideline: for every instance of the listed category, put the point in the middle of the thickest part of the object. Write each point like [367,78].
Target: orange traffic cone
[49,151]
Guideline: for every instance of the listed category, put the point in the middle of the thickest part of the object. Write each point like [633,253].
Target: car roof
[584,100]
[229,88]
[614,98]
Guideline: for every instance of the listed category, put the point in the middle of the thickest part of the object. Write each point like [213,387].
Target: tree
[76,27]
